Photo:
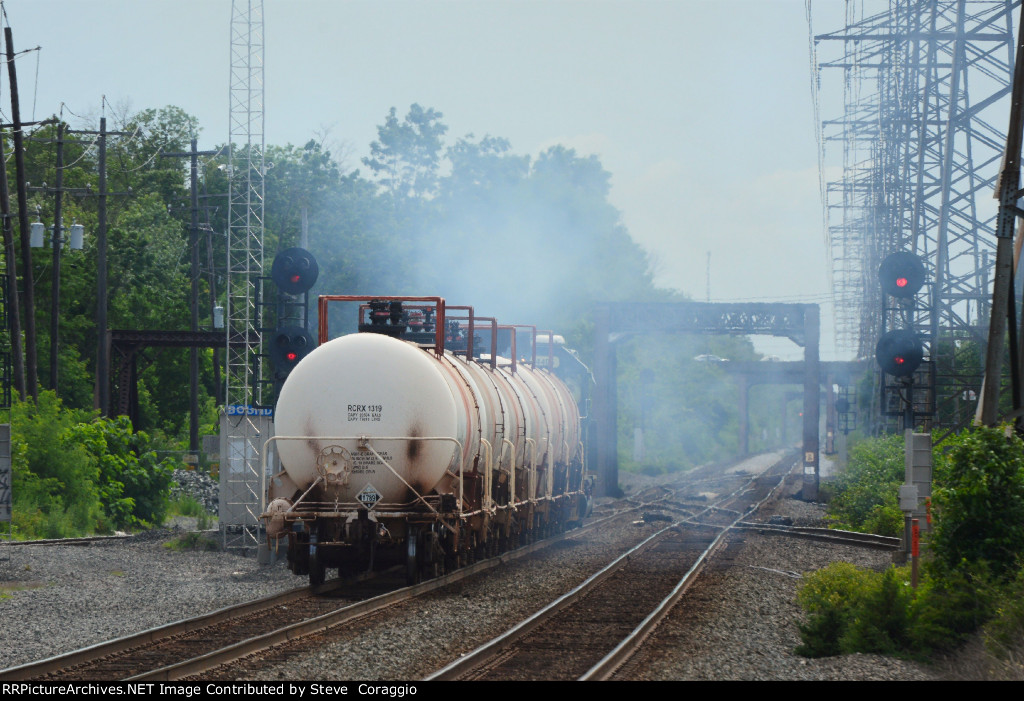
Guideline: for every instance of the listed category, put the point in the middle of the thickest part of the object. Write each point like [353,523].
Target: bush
[949,606]
[1004,634]
[54,484]
[134,485]
[855,610]
[979,501]
[865,497]
[186,505]
[881,617]
[831,597]
[75,474]
[192,541]
[974,579]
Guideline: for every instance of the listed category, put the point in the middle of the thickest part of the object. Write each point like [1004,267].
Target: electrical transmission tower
[243,430]
[924,88]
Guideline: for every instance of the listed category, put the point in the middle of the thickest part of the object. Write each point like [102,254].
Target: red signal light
[294,271]
[899,352]
[289,346]
[902,274]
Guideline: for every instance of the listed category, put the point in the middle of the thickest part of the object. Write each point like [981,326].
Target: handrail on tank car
[512,349]
[488,476]
[583,466]
[511,469]
[533,341]
[439,314]
[469,334]
[494,334]
[363,441]
[531,484]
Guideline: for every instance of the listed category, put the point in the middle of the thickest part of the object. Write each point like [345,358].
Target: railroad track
[84,540]
[180,656]
[197,645]
[592,630]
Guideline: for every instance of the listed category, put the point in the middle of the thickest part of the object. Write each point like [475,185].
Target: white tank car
[370,385]
[401,451]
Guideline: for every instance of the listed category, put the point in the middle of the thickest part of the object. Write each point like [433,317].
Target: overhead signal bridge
[830,374]
[615,321]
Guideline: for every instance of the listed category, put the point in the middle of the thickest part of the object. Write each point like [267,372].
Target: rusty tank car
[404,444]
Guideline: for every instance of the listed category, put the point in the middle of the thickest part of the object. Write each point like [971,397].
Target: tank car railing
[487,502]
[511,472]
[439,314]
[363,443]
[583,467]
[531,484]
[551,472]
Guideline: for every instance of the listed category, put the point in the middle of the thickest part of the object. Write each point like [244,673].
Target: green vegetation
[187,505]
[865,497]
[972,577]
[75,473]
[980,501]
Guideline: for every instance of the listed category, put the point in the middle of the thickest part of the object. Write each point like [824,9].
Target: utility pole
[17,359]
[102,392]
[193,243]
[102,342]
[26,251]
[56,242]
[58,229]
[1003,312]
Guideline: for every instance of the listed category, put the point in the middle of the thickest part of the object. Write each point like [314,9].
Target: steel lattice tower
[242,440]
[923,83]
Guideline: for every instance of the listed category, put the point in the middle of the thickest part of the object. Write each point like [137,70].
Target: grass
[190,506]
[192,542]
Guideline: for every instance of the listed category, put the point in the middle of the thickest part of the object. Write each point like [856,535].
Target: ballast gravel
[739,623]
[59,598]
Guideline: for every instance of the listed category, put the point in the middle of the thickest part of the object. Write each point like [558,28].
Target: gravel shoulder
[57,598]
[740,623]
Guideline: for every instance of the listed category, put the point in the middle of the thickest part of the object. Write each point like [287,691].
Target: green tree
[134,486]
[979,501]
[406,155]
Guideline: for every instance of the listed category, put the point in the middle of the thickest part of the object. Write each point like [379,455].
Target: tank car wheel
[317,571]
[475,550]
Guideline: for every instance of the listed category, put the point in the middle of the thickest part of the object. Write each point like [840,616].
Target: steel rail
[828,535]
[488,650]
[491,649]
[88,654]
[608,665]
[32,670]
[84,540]
[346,614]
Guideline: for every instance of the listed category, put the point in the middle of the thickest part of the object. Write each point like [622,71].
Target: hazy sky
[700,109]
